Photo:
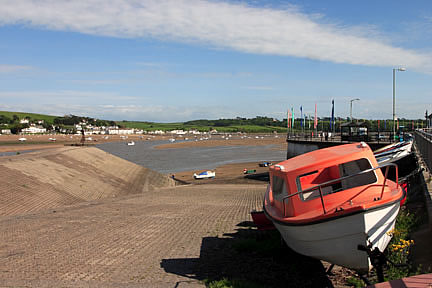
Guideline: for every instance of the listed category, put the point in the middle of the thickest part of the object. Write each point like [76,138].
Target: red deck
[423,281]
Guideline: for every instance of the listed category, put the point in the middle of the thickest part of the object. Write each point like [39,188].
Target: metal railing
[328,183]
[423,140]
[382,137]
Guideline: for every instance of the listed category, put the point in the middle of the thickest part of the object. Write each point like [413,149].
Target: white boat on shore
[205,174]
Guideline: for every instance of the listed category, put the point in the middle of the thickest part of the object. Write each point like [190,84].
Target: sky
[180,60]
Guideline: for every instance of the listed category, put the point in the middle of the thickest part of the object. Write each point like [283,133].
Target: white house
[194,132]
[178,132]
[158,132]
[34,130]
[24,121]
[120,131]
[6,131]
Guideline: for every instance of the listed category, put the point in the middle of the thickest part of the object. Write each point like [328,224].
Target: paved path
[148,240]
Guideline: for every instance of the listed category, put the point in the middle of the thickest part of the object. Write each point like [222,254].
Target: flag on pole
[288,119]
[292,117]
[301,116]
[332,117]
[316,118]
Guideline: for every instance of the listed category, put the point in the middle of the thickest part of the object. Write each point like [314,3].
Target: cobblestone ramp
[70,175]
[123,241]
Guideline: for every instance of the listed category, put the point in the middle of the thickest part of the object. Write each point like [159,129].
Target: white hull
[337,241]
[393,155]
[209,174]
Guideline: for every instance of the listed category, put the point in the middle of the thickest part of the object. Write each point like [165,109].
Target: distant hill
[47,118]
[255,125]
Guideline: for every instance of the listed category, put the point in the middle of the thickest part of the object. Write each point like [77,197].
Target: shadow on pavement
[250,255]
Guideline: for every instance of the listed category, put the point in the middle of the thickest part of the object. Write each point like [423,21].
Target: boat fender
[362,145]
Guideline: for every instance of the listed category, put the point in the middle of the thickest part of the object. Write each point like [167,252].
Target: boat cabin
[326,181]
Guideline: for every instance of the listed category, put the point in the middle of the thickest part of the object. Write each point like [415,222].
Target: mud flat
[69,175]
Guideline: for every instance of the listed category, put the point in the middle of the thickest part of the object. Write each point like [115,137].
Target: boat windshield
[279,187]
[314,178]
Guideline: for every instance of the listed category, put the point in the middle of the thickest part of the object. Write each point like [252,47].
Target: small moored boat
[330,202]
[131,143]
[205,174]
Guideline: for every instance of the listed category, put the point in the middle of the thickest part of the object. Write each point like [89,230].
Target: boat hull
[336,241]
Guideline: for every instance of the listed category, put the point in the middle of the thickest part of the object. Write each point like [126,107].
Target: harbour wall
[298,147]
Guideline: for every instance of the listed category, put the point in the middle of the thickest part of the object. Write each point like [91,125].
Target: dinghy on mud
[333,203]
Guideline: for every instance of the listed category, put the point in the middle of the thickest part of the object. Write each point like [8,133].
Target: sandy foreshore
[229,173]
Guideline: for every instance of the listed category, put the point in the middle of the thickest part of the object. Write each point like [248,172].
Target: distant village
[84,125]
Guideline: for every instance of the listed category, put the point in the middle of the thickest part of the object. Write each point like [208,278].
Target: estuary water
[174,160]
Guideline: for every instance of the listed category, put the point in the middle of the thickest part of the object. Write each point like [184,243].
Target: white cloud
[13,68]
[63,95]
[234,26]
[156,113]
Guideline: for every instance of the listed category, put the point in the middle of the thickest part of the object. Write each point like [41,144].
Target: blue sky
[179,60]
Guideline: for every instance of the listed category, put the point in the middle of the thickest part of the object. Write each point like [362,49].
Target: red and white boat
[329,202]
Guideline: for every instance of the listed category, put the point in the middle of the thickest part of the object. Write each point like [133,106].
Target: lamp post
[352,100]
[394,98]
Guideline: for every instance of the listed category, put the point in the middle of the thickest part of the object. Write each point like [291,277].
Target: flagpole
[316,122]
[288,123]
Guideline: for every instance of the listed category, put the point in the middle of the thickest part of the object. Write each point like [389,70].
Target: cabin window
[354,167]
[311,179]
[279,187]
[315,178]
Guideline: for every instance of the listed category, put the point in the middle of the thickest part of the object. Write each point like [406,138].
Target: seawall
[69,175]
[298,147]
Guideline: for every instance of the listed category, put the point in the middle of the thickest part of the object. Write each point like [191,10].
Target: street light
[352,100]
[394,97]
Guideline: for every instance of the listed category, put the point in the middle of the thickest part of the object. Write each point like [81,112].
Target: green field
[47,118]
[151,126]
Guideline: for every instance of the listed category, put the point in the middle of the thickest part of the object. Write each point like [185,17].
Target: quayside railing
[423,140]
[334,181]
